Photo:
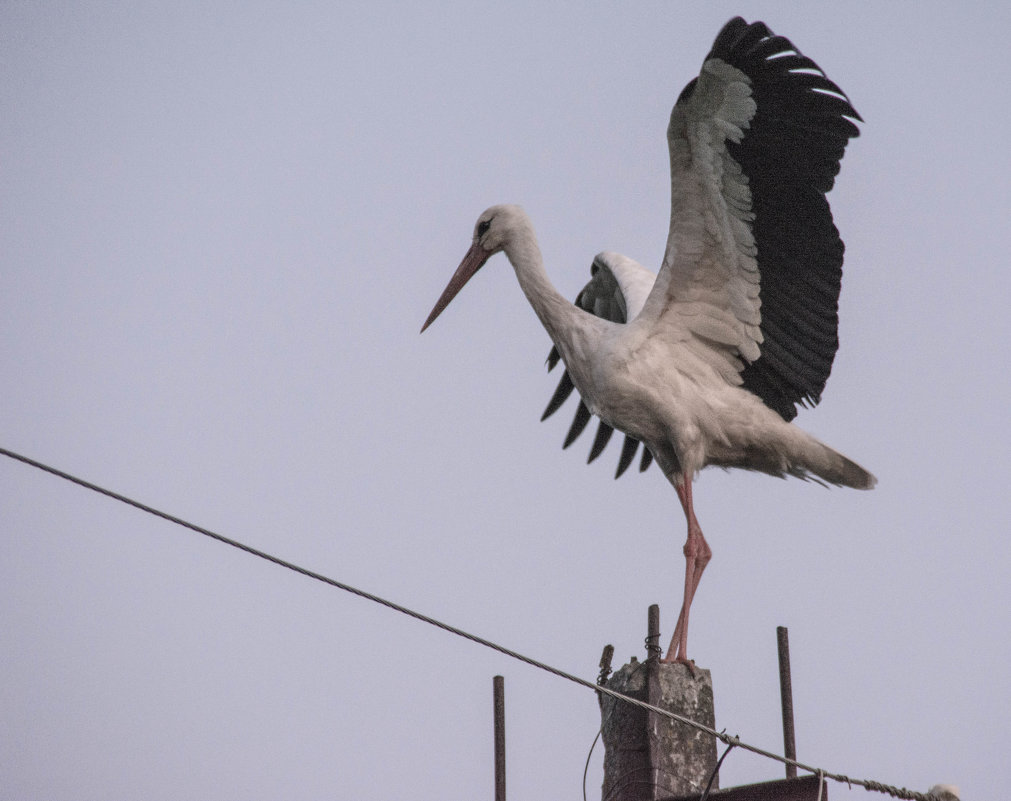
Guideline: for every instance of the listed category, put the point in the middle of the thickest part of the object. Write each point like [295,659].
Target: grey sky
[222,227]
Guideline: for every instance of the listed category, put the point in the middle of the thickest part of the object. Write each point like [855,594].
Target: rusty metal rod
[605,664]
[653,632]
[498,691]
[786,696]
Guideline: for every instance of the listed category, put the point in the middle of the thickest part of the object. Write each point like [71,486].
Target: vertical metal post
[786,696]
[605,665]
[654,696]
[498,691]
[653,650]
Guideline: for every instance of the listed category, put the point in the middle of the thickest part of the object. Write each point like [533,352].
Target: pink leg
[697,556]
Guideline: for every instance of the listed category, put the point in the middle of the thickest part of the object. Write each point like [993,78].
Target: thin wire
[716,770]
[586,767]
[895,792]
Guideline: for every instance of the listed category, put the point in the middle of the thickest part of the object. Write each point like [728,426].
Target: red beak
[472,262]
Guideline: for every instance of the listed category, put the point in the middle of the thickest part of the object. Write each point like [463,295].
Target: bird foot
[682,660]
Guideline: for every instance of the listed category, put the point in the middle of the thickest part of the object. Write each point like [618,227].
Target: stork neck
[557,315]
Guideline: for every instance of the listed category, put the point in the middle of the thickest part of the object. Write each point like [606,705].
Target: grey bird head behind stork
[705,362]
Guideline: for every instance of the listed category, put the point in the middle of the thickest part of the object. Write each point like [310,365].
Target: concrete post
[648,757]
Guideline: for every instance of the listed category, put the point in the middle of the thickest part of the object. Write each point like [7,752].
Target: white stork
[706,362]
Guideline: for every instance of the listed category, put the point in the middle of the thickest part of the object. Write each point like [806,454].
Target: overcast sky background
[222,227]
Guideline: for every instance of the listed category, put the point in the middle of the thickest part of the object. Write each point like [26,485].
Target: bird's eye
[482,228]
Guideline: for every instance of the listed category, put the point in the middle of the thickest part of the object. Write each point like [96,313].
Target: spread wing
[617,290]
[753,267]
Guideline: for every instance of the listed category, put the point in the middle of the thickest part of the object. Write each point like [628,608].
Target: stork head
[493,230]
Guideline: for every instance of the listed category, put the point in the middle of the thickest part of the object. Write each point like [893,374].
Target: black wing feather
[646,460]
[565,387]
[791,154]
[604,432]
[578,424]
[628,450]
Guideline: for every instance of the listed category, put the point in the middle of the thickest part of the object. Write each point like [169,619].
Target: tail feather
[833,467]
